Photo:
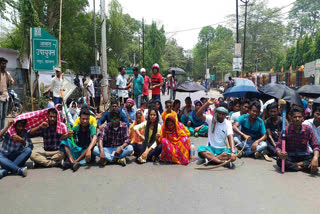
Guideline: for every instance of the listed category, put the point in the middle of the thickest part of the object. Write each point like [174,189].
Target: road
[254,186]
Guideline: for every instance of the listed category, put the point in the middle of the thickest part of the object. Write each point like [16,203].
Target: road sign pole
[60,34]
[104,68]
[31,64]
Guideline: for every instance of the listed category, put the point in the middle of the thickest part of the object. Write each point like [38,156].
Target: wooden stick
[282,103]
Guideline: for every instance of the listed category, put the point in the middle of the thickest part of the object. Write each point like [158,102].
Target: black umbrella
[312,91]
[280,91]
[177,71]
[190,87]
[317,100]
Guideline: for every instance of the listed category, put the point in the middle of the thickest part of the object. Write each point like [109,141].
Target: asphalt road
[254,186]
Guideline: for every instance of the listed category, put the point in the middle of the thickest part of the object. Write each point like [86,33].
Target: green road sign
[45,50]
[212,77]
[129,71]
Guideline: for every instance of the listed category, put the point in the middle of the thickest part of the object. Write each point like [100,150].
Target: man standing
[5,80]
[146,85]
[56,87]
[298,138]
[173,85]
[114,142]
[122,86]
[51,141]
[138,84]
[97,90]
[253,130]
[156,82]
[76,81]
[220,130]
[90,90]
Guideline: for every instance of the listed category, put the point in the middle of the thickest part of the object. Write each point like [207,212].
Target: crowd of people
[142,129]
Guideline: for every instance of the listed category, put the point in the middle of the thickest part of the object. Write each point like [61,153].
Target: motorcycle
[14,104]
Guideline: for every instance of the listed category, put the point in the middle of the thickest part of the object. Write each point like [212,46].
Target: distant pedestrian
[97,90]
[146,85]
[122,86]
[56,86]
[90,90]
[76,81]
[173,85]
[156,81]
[138,84]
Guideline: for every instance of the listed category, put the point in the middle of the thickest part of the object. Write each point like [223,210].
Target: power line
[196,28]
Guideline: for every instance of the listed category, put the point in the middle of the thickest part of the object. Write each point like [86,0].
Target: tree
[173,55]
[304,18]
[298,54]
[155,41]
[317,46]
[289,61]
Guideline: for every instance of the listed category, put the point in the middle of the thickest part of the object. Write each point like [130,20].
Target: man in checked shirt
[114,142]
[297,155]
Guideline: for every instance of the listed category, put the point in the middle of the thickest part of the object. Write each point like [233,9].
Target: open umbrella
[177,71]
[317,100]
[280,91]
[190,87]
[312,91]
[242,88]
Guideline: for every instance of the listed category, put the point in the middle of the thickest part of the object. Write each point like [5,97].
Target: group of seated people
[153,134]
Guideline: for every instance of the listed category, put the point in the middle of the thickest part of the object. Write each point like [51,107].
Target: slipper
[266,157]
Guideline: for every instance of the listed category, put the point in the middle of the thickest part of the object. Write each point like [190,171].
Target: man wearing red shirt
[156,82]
[145,95]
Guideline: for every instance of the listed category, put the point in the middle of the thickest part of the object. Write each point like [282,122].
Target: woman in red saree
[175,143]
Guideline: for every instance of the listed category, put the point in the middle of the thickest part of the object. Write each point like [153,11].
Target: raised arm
[199,113]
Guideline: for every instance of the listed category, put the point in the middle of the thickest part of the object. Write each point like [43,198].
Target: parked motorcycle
[14,105]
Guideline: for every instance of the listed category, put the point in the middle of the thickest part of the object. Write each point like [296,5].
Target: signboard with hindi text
[45,50]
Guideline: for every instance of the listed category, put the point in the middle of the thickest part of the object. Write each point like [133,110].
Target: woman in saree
[150,149]
[136,140]
[195,125]
[175,141]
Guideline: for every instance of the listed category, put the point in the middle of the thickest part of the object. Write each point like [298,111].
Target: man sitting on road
[15,150]
[220,131]
[129,111]
[297,155]
[51,141]
[314,122]
[253,130]
[244,108]
[85,139]
[92,119]
[114,142]
[106,116]
[168,110]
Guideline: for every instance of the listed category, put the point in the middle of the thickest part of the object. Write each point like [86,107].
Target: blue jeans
[57,100]
[137,99]
[262,146]
[108,152]
[156,97]
[3,113]
[14,161]
[172,94]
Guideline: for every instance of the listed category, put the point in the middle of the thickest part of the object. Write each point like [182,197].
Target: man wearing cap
[129,110]
[138,83]
[56,86]
[5,80]
[220,132]
[145,95]
[156,82]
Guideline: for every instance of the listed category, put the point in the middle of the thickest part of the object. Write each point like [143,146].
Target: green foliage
[316,54]
[298,54]
[155,42]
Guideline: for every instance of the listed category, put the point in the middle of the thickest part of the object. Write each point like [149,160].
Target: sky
[178,15]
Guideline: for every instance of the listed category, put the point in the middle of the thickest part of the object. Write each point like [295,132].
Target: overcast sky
[178,15]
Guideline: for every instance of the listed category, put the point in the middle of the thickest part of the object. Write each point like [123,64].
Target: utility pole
[95,33]
[60,34]
[103,62]
[207,57]
[143,42]
[244,36]
[237,17]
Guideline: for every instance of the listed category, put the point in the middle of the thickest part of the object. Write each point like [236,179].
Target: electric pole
[143,42]
[237,17]
[95,34]
[244,36]
[103,62]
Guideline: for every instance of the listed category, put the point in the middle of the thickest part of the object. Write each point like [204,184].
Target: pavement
[254,186]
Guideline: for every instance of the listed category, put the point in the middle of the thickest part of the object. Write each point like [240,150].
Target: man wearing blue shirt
[106,116]
[138,83]
[253,130]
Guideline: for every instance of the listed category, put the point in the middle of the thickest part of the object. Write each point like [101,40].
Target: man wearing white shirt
[56,87]
[122,86]
[314,123]
[220,130]
[90,89]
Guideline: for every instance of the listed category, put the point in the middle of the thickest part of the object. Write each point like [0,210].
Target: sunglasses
[115,120]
